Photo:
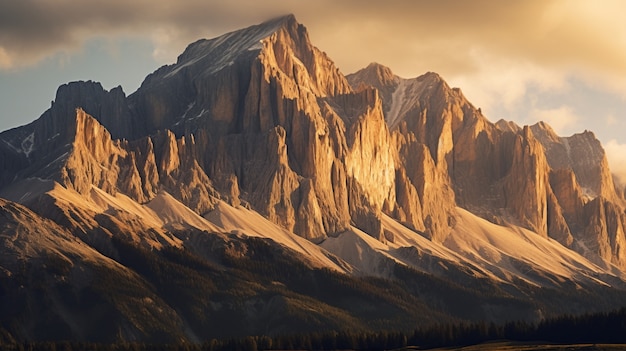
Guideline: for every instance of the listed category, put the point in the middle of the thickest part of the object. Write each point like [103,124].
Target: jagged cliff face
[261,117]
[527,176]
[259,114]
[283,111]
[257,134]
[592,207]
[425,196]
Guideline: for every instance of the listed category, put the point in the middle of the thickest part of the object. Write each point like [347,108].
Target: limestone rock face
[369,148]
[408,209]
[370,160]
[432,186]
[261,85]
[508,126]
[264,121]
[275,182]
[584,154]
[421,165]
[528,176]
[93,159]
[589,162]
[527,189]
[603,235]
[181,174]
[27,148]
[377,76]
[228,83]
[260,117]
[586,192]
[110,108]
[568,192]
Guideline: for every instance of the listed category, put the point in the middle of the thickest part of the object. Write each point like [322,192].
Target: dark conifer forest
[598,328]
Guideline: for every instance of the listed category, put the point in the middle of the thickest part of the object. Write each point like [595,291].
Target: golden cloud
[495,48]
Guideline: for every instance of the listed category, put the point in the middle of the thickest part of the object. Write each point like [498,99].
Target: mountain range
[251,188]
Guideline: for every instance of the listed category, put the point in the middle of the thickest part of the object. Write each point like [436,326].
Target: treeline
[605,328]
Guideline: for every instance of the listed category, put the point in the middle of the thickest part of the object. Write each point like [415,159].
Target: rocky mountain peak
[282,39]
[401,96]
[583,154]
[257,133]
[508,126]
[544,133]
[290,50]
[215,54]
[110,108]
[37,148]
[218,81]
[375,75]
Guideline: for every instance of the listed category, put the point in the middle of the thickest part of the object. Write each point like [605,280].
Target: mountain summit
[252,188]
[236,63]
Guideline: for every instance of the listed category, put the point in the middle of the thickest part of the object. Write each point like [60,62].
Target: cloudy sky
[561,61]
